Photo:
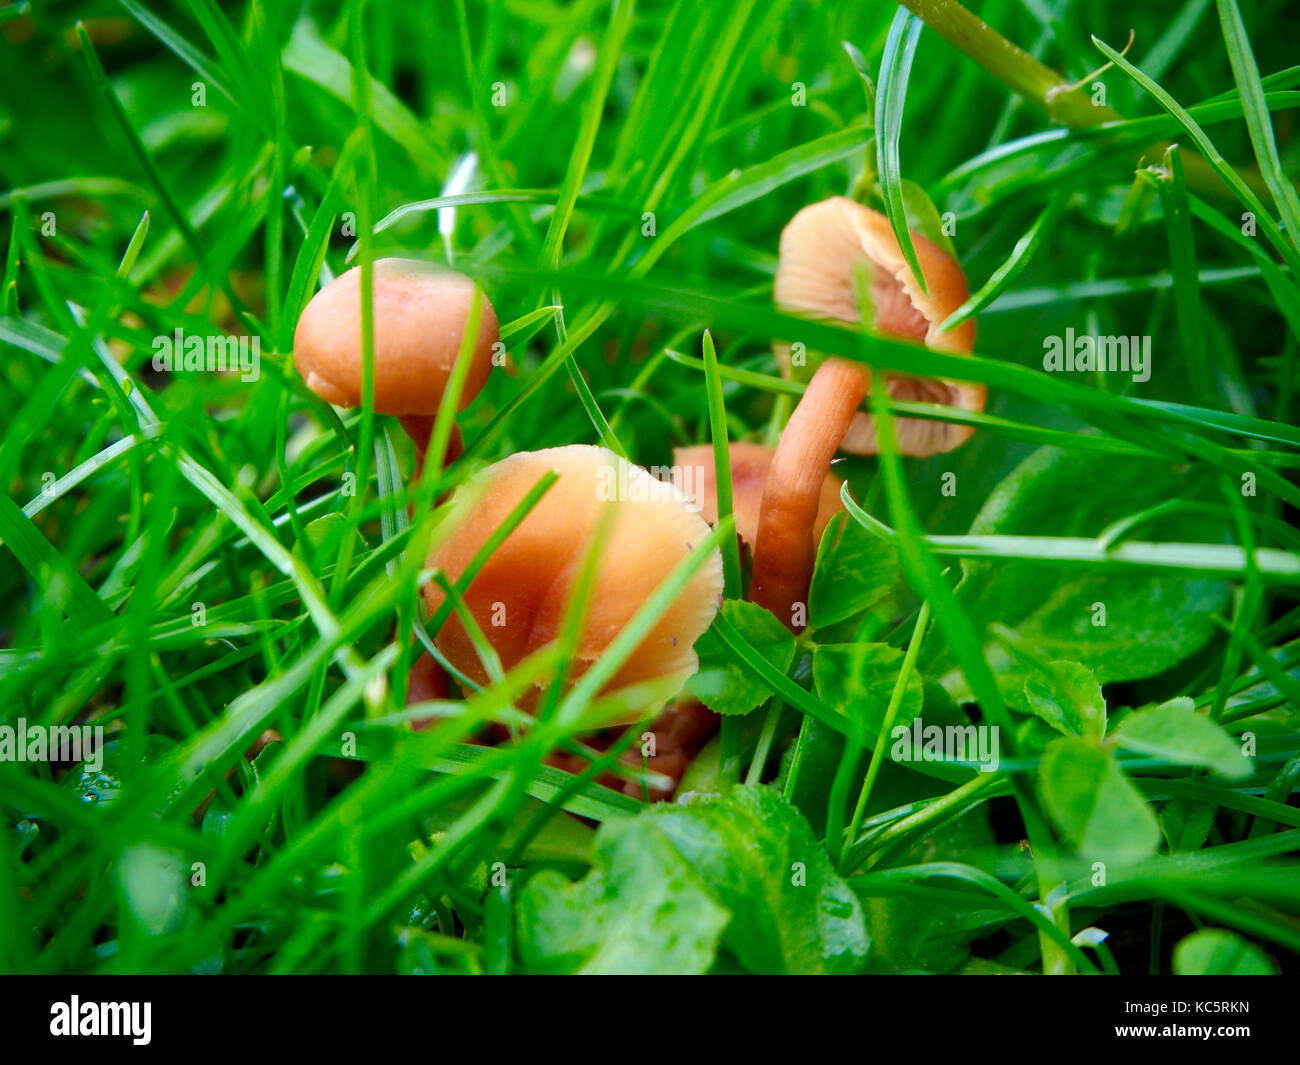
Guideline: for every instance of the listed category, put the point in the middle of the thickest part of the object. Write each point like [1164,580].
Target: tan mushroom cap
[695,474]
[824,248]
[520,596]
[420,314]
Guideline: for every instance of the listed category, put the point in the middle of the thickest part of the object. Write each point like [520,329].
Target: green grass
[190,559]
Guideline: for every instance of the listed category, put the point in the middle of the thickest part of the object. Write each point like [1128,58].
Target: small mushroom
[695,474]
[827,249]
[420,314]
[520,597]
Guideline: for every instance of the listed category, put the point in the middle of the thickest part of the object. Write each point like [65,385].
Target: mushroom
[695,474]
[420,314]
[520,596]
[825,250]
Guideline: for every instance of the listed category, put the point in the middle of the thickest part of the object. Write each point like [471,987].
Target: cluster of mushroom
[782,498]
[520,595]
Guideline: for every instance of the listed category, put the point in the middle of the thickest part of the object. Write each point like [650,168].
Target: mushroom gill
[825,249]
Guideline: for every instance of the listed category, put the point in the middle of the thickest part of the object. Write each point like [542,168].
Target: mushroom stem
[419,427]
[785,549]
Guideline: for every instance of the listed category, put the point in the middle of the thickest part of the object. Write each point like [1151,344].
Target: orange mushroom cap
[695,474]
[824,249]
[520,596]
[420,314]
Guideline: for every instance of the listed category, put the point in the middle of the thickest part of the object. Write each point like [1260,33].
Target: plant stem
[1043,87]
[1024,75]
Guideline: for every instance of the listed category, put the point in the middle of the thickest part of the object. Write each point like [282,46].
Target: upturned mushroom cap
[824,249]
[420,314]
[695,474]
[520,596]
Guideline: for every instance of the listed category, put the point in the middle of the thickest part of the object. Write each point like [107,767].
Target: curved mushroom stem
[785,549]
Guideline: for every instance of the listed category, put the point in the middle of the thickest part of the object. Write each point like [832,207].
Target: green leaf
[1186,823]
[309,57]
[1212,155]
[1010,269]
[1069,699]
[916,930]
[721,463]
[1095,805]
[1121,626]
[808,770]
[1216,952]
[1170,183]
[643,909]
[858,679]
[859,62]
[1258,121]
[66,587]
[1175,732]
[923,216]
[323,534]
[791,912]
[895,66]
[611,48]
[739,188]
[132,253]
[154,888]
[855,569]
[186,52]
[722,684]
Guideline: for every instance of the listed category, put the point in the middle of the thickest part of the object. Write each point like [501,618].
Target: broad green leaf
[858,679]
[791,911]
[722,684]
[1095,805]
[1216,952]
[855,569]
[643,909]
[1186,823]
[1175,732]
[154,886]
[1119,626]
[1069,699]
